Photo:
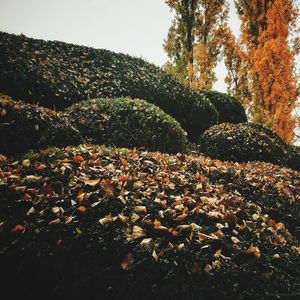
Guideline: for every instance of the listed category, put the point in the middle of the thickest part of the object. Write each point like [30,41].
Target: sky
[135,27]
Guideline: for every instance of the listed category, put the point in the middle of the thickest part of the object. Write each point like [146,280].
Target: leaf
[48,189]
[3,112]
[78,159]
[30,211]
[92,182]
[107,219]
[123,161]
[208,268]
[54,222]
[253,250]
[26,163]
[235,240]
[140,209]
[107,187]
[127,262]
[3,158]
[137,232]
[18,228]
[181,218]
[81,209]
[154,255]
[66,160]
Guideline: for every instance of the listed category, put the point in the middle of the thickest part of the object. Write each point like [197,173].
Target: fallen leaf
[78,159]
[81,209]
[26,163]
[18,228]
[137,232]
[92,182]
[127,262]
[253,250]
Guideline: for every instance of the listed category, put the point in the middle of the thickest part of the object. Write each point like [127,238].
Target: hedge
[248,142]
[58,74]
[26,126]
[90,222]
[229,108]
[125,122]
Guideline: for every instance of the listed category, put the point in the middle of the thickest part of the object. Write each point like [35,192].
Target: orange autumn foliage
[270,58]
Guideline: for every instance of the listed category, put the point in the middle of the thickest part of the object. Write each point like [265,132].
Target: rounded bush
[247,142]
[126,122]
[229,108]
[60,74]
[26,126]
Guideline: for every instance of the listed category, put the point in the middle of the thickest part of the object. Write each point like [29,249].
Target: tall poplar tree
[268,55]
[194,40]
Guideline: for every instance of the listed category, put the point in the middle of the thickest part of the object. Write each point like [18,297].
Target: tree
[270,58]
[194,40]
[237,77]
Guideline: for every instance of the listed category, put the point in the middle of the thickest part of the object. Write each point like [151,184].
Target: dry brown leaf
[127,262]
[253,250]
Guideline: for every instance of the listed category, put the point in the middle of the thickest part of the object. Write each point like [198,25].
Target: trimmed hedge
[26,126]
[248,142]
[58,74]
[124,122]
[229,108]
[94,222]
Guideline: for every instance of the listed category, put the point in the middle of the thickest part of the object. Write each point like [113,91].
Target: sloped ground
[248,142]
[94,222]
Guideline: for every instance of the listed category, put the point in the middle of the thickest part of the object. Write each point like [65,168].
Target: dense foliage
[26,126]
[58,74]
[194,40]
[265,63]
[124,224]
[229,108]
[248,142]
[126,122]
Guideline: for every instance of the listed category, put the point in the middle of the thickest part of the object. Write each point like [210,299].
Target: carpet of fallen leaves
[91,220]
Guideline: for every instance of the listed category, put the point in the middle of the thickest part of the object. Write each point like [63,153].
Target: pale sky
[135,27]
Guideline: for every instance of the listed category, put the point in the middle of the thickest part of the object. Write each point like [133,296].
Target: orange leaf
[78,158]
[181,218]
[123,161]
[107,187]
[81,209]
[66,160]
[18,228]
[218,164]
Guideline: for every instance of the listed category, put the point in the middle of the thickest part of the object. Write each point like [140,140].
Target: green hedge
[229,108]
[58,74]
[248,142]
[94,222]
[26,126]
[124,122]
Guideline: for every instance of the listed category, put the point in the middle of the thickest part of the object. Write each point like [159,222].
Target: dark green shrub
[125,122]
[58,74]
[26,126]
[229,108]
[248,142]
